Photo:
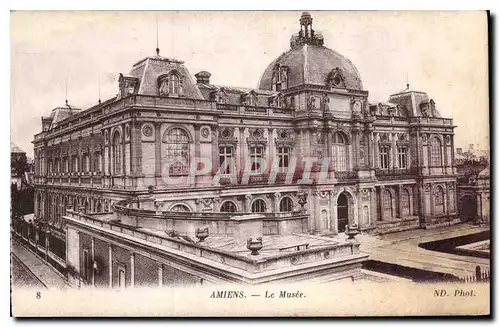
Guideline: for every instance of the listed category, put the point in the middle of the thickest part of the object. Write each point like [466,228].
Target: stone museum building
[167,181]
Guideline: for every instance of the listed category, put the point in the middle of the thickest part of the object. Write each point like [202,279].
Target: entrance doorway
[342,212]
[121,277]
[468,208]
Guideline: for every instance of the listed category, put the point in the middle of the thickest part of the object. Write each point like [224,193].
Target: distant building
[473,185]
[18,166]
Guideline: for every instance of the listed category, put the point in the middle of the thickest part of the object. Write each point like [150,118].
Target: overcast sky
[443,54]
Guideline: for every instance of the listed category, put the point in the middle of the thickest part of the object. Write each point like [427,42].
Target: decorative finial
[407,81]
[66,86]
[157,43]
[98,90]
[306,34]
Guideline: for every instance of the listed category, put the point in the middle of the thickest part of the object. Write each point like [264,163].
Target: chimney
[203,77]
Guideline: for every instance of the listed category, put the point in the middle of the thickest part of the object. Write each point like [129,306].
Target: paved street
[22,276]
[29,270]
[402,248]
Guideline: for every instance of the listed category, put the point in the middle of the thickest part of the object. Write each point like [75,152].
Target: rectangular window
[283,158]
[226,159]
[402,158]
[256,155]
[384,157]
[97,162]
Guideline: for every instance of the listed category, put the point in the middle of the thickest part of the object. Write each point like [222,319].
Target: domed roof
[309,62]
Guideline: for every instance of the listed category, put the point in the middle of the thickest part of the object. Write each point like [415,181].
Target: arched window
[117,154]
[286,204]
[85,163]
[339,153]
[50,208]
[98,207]
[65,165]
[259,206]
[439,201]
[65,204]
[173,84]
[387,204]
[280,78]
[405,203]
[39,205]
[228,206]
[436,157]
[177,155]
[97,161]
[180,208]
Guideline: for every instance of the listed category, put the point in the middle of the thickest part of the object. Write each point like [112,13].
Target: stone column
[110,263]
[93,259]
[160,275]
[381,207]
[371,146]
[215,149]
[329,144]
[197,140]
[398,201]
[124,162]
[452,142]
[47,244]
[355,147]
[248,202]
[393,152]
[272,148]
[135,140]
[132,270]
[242,147]
[158,141]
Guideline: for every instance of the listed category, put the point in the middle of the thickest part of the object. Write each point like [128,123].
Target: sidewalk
[39,268]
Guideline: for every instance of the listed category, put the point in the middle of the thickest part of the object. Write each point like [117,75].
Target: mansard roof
[416,102]
[149,69]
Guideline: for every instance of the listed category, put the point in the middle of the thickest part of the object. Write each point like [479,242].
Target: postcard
[250,164]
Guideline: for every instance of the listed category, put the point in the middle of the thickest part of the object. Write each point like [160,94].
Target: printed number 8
[38,295]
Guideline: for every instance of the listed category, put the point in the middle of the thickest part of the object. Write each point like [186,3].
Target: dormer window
[336,79]
[277,101]
[128,85]
[280,78]
[219,96]
[249,99]
[170,84]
